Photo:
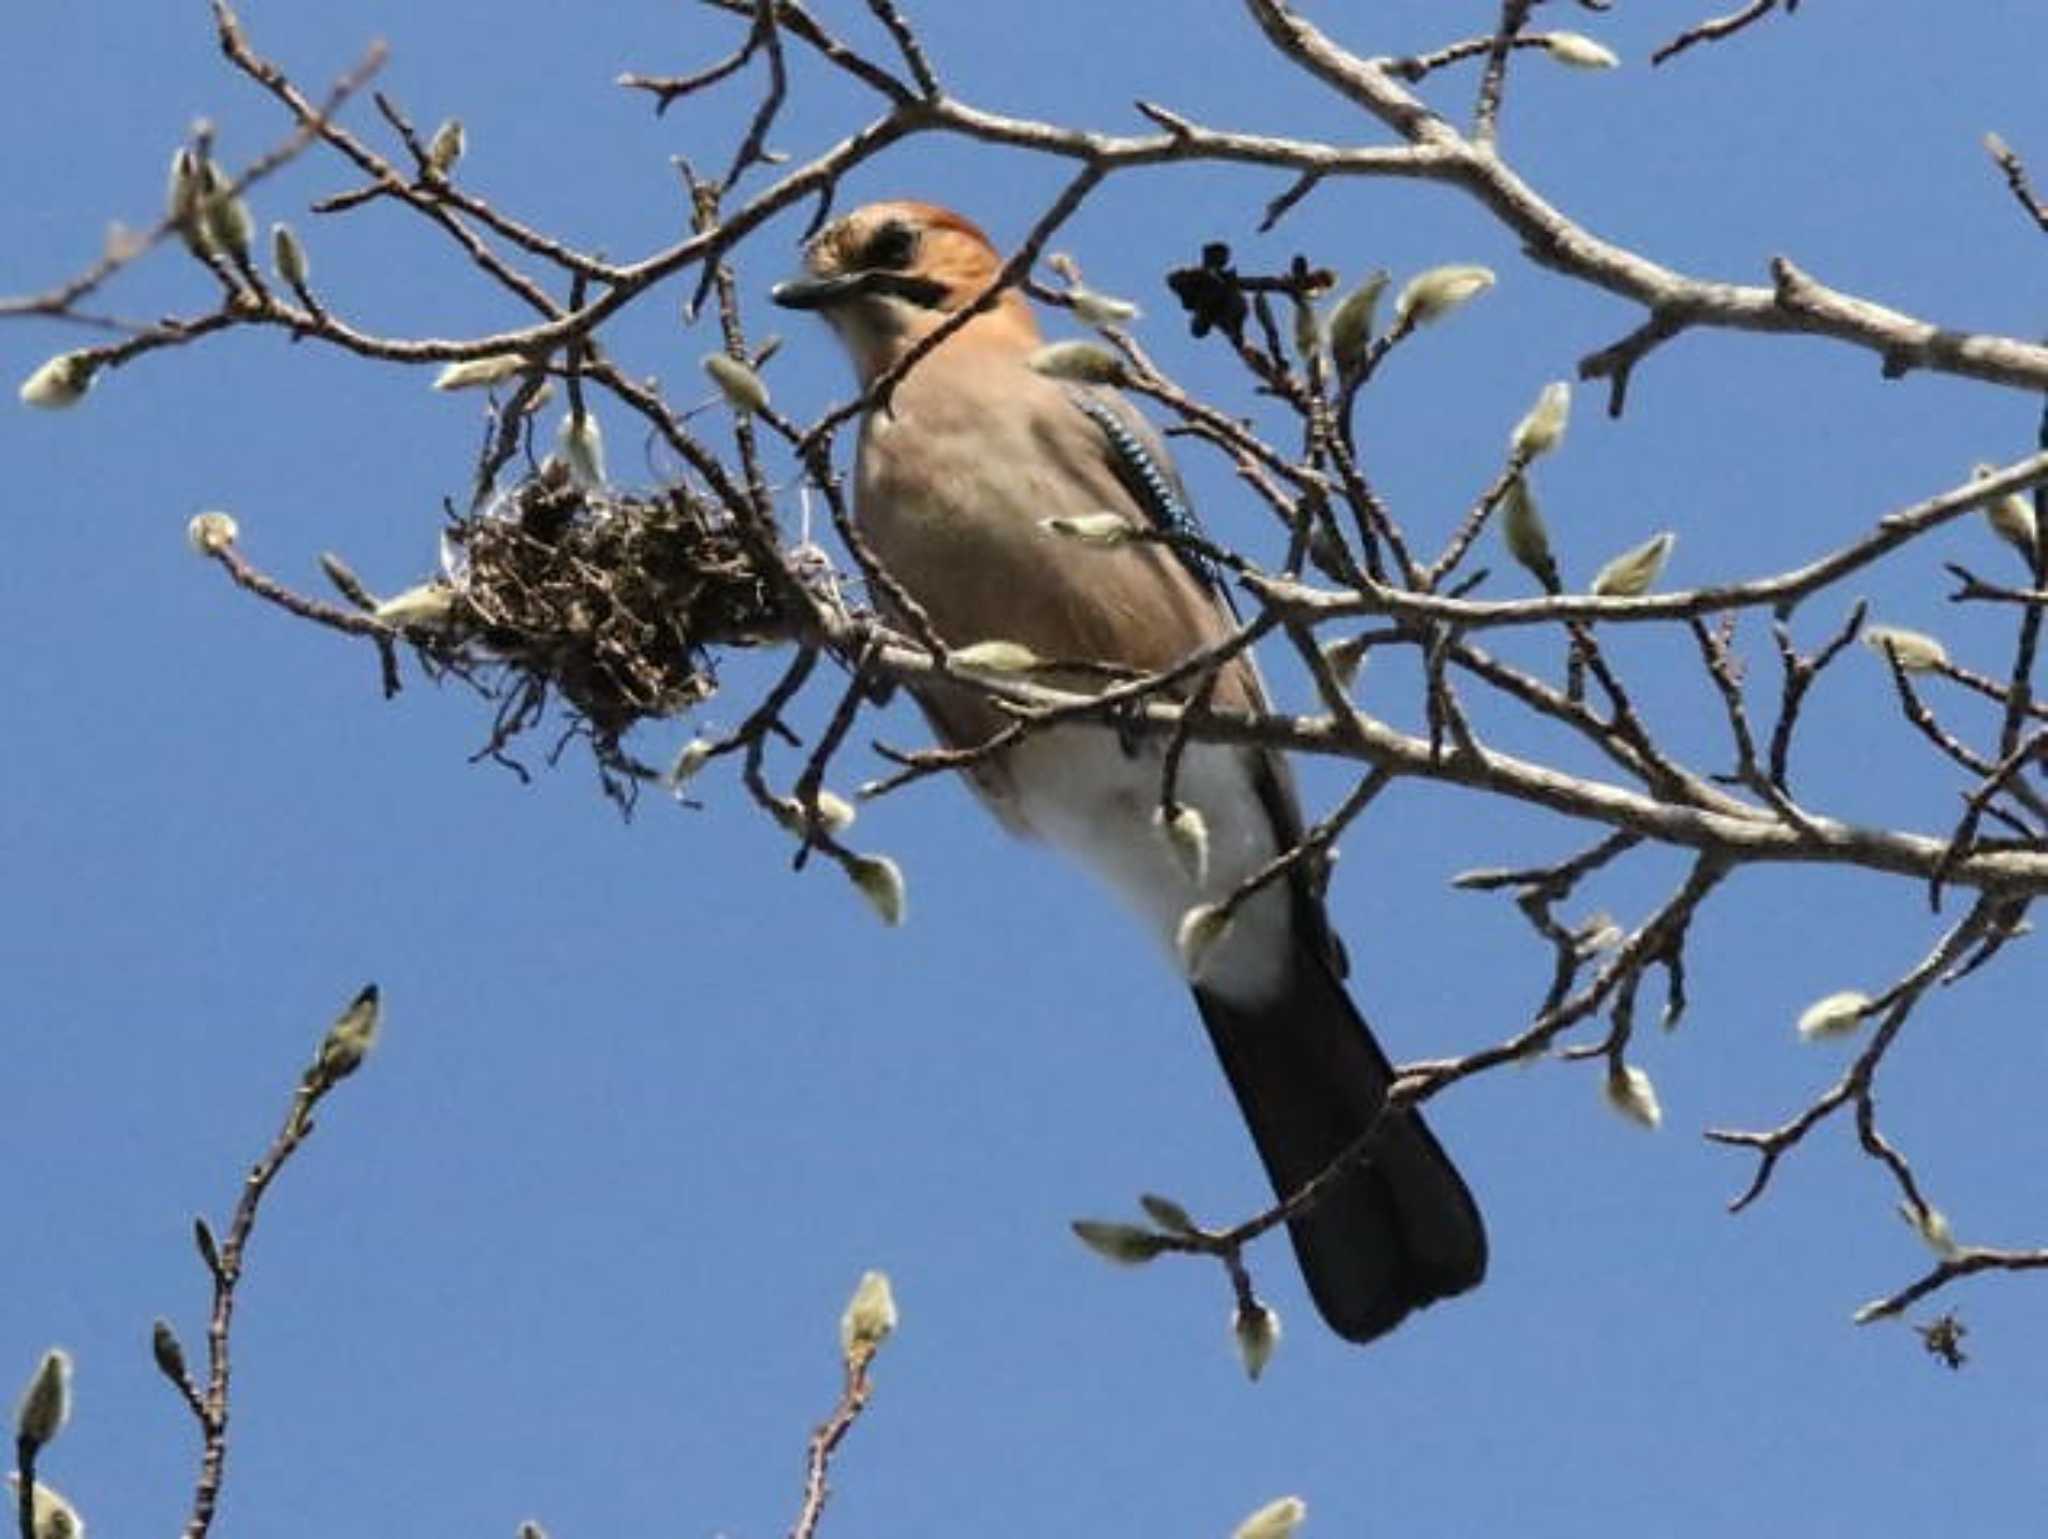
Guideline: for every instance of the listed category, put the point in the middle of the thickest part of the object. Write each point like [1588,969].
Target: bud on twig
[1275,1520]
[1101,310]
[1579,51]
[1351,322]
[869,1319]
[1167,1213]
[230,225]
[349,1039]
[426,607]
[1931,1224]
[1432,295]
[835,814]
[446,147]
[581,444]
[996,657]
[880,880]
[742,388]
[1125,1244]
[1257,1334]
[61,382]
[288,256]
[207,1245]
[1632,573]
[1543,428]
[168,1351]
[1915,651]
[50,1515]
[688,761]
[1082,362]
[46,1403]
[1834,1016]
[1103,529]
[182,191]
[1186,833]
[473,373]
[1629,1091]
[1524,533]
[2011,517]
[211,533]
[1201,927]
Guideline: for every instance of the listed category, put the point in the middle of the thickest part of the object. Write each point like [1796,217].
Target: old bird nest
[611,604]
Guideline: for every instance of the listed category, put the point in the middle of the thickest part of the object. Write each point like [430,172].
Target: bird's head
[886,274]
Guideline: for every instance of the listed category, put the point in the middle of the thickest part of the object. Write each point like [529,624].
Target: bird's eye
[892,246]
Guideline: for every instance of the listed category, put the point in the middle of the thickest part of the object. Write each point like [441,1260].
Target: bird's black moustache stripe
[928,293]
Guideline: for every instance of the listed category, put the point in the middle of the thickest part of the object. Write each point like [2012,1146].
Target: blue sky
[574,1246]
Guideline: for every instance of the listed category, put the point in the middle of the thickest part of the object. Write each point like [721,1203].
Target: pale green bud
[1101,310]
[997,657]
[50,1515]
[446,147]
[1629,1091]
[1125,1244]
[1523,531]
[1103,529]
[1834,1016]
[211,533]
[1915,651]
[1257,1334]
[1201,927]
[580,441]
[869,1319]
[288,256]
[1275,1520]
[688,761]
[61,382]
[741,386]
[350,1038]
[1168,1214]
[1631,574]
[168,1351]
[1351,322]
[1187,834]
[1543,428]
[427,607]
[184,187]
[2011,517]
[880,880]
[1432,295]
[1579,51]
[46,1403]
[835,814]
[474,373]
[1082,362]
[1931,1224]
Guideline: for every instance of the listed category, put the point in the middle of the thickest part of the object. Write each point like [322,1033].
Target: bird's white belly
[1077,789]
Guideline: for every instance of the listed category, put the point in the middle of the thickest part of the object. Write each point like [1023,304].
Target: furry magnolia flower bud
[426,607]
[475,373]
[870,1317]
[61,382]
[1167,1213]
[741,386]
[996,657]
[880,880]
[288,256]
[211,533]
[1186,833]
[1432,295]
[1629,1091]
[1834,1016]
[230,225]
[1523,531]
[1256,1331]
[1102,529]
[350,1038]
[50,1515]
[1915,651]
[1125,1244]
[688,760]
[835,814]
[1931,1224]
[1351,322]
[1579,51]
[46,1403]
[2011,517]
[1631,574]
[447,146]
[580,442]
[1082,362]
[1201,927]
[1543,428]
[1101,310]
[1275,1520]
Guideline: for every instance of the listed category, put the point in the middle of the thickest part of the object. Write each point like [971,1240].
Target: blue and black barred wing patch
[1140,463]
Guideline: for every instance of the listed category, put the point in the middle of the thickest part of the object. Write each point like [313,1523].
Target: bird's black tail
[1395,1234]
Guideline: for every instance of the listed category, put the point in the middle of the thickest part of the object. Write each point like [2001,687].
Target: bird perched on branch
[957,476]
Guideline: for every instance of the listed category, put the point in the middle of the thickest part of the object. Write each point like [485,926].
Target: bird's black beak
[820,293]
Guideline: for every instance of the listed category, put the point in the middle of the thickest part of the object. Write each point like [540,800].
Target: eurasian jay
[955,478]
